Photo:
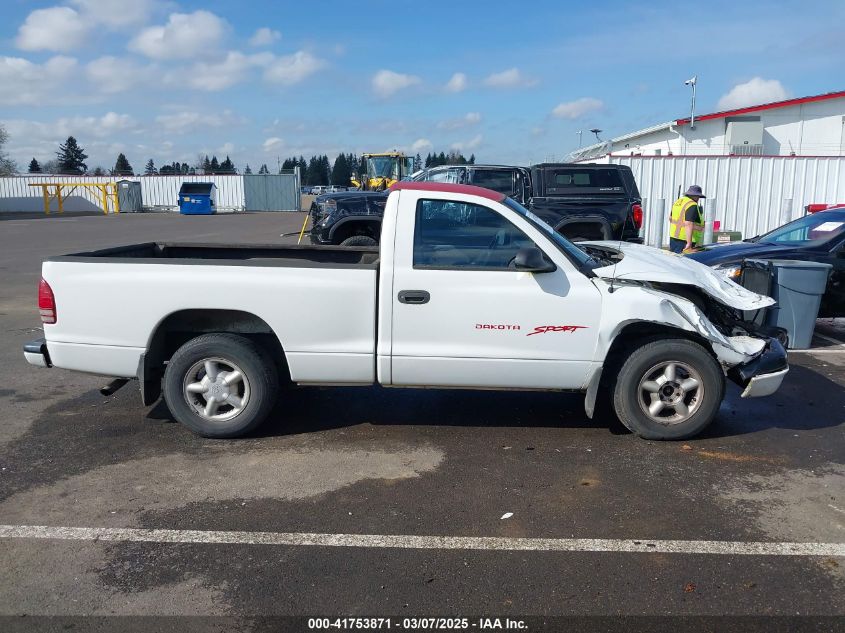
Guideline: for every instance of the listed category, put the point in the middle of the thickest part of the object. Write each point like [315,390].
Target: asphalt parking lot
[400,466]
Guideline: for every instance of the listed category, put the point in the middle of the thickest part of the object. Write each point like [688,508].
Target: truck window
[500,180]
[459,235]
[578,180]
[444,175]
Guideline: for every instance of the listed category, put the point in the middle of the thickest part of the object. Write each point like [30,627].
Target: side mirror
[532,260]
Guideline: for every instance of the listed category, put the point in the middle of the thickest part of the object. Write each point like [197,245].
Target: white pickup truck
[468,289]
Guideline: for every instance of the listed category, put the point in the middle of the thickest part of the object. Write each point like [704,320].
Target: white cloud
[578,108]
[387,83]
[226,149]
[272,144]
[471,144]
[291,69]
[185,35]
[421,145]
[110,75]
[510,78]
[457,83]
[214,76]
[27,83]
[753,92]
[264,37]
[188,121]
[470,118]
[54,29]
[116,13]
[80,127]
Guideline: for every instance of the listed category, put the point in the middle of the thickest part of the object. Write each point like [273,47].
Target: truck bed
[319,301]
[291,256]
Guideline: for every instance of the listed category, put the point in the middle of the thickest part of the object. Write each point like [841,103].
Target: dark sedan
[819,237]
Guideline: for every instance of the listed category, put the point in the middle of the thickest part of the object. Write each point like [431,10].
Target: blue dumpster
[197,198]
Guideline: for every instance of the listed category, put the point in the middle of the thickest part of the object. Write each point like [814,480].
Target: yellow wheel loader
[383,170]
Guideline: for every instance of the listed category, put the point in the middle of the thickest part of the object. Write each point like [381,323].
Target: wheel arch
[355,225]
[178,327]
[625,335]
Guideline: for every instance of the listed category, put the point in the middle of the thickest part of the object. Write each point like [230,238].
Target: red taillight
[46,303]
[637,213]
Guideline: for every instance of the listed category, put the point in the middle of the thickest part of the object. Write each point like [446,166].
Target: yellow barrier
[107,193]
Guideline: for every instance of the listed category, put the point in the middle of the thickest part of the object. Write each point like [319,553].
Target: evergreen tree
[99,171]
[340,171]
[215,165]
[150,169]
[166,170]
[185,170]
[122,166]
[417,162]
[247,170]
[325,170]
[263,169]
[227,166]
[303,166]
[428,160]
[206,165]
[71,157]
[472,159]
[34,167]
[441,159]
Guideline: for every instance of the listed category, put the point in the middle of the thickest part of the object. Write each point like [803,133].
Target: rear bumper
[763,375]
[36,353]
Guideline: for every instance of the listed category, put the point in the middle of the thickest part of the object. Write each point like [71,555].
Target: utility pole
[692,82]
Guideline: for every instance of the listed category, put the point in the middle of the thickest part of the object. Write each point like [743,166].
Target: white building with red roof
[806,126]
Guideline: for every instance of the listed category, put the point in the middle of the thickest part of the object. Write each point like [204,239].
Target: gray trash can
[797,287]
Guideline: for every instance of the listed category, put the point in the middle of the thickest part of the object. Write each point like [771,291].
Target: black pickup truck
[582,201]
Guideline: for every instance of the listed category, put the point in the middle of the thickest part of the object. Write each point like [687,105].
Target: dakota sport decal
[545,329]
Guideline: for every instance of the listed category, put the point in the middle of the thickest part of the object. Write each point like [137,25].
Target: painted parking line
[405,541]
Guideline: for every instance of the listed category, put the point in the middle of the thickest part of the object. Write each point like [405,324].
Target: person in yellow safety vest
[686,223]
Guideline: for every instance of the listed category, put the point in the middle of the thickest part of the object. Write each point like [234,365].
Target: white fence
[156,192]
[751,194]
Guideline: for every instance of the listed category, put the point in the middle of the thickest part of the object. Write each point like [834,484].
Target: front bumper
[36,353]
[763,375]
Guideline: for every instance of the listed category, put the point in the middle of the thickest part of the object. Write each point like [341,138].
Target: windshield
[566,247]
[810,230]
[393,167]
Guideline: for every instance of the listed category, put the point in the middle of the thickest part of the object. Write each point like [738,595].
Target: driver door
[463,316]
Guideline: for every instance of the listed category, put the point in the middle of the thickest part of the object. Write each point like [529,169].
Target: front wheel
[359,240]
[668,389]
[220,385]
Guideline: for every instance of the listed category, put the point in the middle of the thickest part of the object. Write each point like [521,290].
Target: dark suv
[581,201]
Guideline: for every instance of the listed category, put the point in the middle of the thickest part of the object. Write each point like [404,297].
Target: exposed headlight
[731,271]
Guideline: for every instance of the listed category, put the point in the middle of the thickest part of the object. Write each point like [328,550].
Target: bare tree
[7,165]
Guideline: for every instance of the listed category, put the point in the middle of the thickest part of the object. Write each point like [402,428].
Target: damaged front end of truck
[664,289]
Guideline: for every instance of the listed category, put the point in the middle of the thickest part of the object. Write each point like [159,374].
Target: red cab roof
[448,187]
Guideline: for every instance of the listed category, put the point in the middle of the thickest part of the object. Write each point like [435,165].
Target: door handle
[414,297]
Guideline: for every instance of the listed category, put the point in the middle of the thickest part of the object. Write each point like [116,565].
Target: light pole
[692,82]
[579,133]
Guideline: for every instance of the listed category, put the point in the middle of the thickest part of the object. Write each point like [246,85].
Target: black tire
[257,390]
[691,361]
[359,240]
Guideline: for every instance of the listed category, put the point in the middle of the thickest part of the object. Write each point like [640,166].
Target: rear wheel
[220,385]
[668,389]
[359,240]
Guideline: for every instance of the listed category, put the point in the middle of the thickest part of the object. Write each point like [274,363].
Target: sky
[172,80]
